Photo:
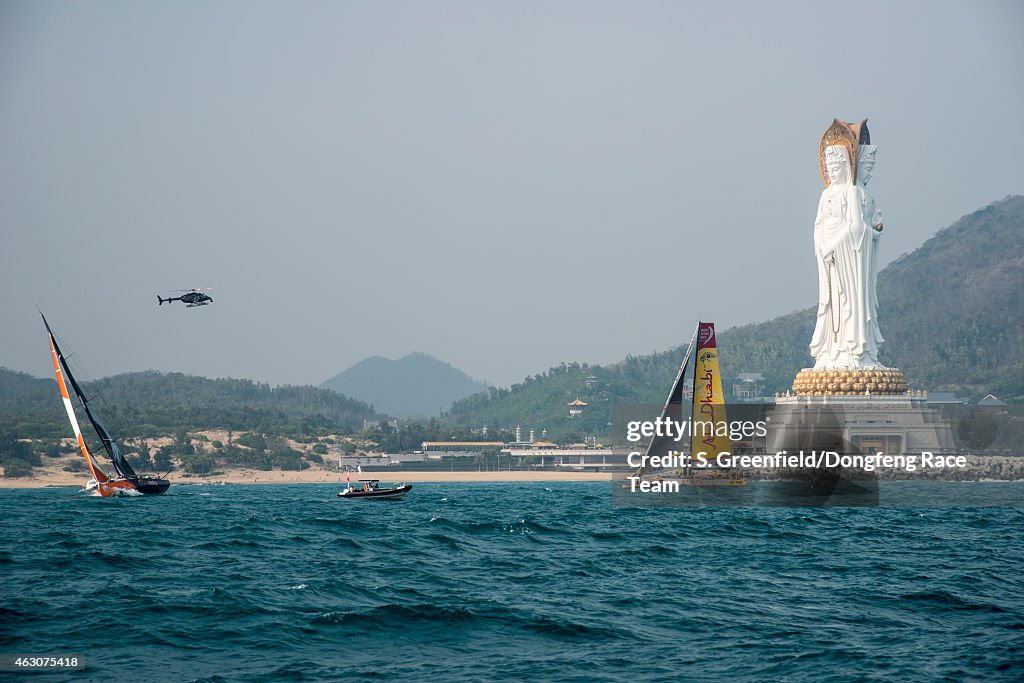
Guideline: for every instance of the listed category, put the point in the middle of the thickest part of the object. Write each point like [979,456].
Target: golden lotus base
[888,382]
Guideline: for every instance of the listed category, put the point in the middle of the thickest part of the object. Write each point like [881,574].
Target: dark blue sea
[518,582]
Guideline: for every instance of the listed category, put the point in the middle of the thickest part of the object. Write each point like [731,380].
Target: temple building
[576,407]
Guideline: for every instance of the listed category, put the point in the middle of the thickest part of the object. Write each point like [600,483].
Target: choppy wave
[507,582]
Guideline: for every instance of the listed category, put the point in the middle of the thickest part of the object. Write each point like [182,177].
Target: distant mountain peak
[417,384]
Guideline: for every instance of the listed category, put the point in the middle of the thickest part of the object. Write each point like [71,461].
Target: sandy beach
[52,473]
[52,476]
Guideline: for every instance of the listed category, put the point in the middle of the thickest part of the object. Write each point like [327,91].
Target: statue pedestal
[890,424]
[884,381]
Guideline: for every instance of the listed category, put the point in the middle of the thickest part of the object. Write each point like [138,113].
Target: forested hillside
[152,403]
[950,311]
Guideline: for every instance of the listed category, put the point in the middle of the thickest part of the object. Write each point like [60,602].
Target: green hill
[950,311]
[152,403]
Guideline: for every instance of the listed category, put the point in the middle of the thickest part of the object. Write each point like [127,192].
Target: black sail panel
[113,450]
[673,407]
[675,395]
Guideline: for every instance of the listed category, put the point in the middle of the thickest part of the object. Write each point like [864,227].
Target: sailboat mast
[693,407]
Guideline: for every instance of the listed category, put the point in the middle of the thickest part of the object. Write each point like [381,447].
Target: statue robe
[846,334]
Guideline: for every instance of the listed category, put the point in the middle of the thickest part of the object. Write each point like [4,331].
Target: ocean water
[488,582]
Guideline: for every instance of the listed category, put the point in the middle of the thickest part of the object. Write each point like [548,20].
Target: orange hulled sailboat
[126,480]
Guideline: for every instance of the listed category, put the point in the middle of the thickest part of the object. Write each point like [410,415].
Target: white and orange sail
[127,479]
[97,473]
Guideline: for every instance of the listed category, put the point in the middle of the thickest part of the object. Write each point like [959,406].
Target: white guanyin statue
[846,334]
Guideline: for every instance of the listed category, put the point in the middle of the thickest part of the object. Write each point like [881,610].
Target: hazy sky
[503,185]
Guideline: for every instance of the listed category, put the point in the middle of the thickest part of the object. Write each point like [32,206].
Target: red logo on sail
[706,336]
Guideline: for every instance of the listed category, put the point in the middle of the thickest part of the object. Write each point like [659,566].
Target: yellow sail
[710,435]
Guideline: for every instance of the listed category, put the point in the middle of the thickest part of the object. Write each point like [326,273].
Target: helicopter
[191,297]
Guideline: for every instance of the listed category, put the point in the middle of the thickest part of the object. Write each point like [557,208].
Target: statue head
[845,135]
[837,164]
[865,163]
